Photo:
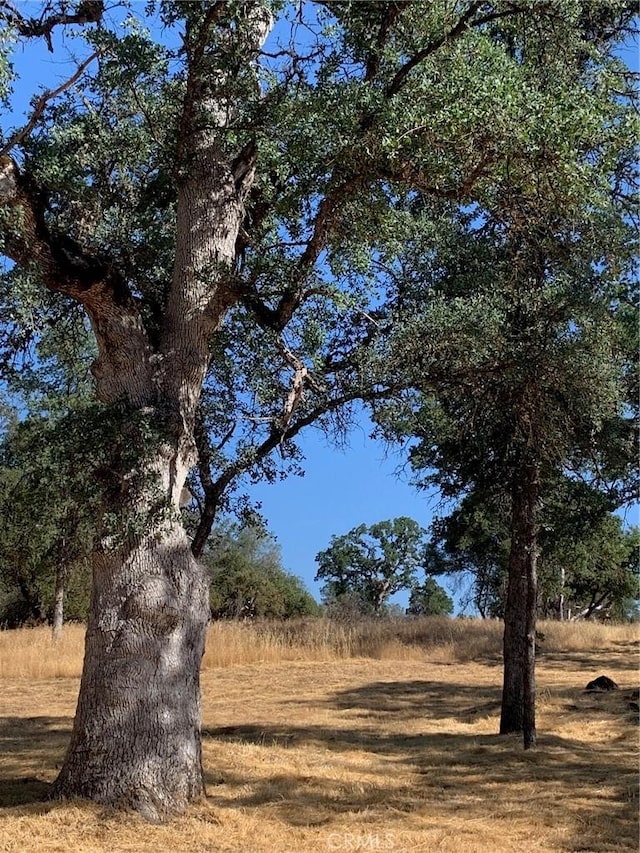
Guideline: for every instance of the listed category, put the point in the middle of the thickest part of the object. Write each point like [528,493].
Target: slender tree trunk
[511,717]
[518,694]
[58,603]
[529,669]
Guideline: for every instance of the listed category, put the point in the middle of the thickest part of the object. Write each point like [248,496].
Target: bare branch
[215,489]
[41,103]
[301,378]
[295,293]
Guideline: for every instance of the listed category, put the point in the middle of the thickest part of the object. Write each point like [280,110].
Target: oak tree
[221,180]
[371,563]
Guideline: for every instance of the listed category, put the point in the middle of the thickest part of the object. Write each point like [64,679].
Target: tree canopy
[520,360]
[429,599]
[586,566]
[369,564]
[248,580]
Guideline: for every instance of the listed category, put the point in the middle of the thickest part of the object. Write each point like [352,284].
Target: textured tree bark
[529,674]
[511,716]
[518,692]
[136,735]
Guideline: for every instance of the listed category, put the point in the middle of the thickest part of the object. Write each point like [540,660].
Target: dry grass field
[320,737]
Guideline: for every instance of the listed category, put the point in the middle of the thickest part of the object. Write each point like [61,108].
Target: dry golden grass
[32,654]
[326,737]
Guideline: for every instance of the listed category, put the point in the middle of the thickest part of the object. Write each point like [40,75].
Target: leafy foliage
[248,580]
[585,565]
[369,564]
[259,233]
[49,511]
[359,115]
[429,599]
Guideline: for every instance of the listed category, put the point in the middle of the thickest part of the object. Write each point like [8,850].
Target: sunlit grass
[320,736]
[31,652]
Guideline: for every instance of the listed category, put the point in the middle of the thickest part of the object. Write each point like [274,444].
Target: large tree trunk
[518,693]
[136,735]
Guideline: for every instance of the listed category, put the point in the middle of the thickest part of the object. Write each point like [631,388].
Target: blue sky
[341,489]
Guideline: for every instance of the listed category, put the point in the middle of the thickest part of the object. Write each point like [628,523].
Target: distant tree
[369,564]
[429,599]
[601,572]
[248,580]
[473,541]
[48,495]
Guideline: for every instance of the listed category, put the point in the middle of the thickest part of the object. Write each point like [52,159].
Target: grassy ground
[326,738]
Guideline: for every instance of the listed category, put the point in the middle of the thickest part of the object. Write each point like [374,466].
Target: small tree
[372,563]
[528,355]
[47,513]
[429,599]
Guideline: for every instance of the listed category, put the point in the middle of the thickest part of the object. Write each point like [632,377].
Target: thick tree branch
[413,175]
[390,15]
[26,238]
[123,367]
[401,75]
[294,295]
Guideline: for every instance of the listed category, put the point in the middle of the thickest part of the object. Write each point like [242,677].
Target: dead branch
[41,103]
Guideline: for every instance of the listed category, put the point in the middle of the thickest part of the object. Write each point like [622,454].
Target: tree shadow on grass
[459,777]
[29,746]
[586,664]
[591,662]
[590,787]
[419,699]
